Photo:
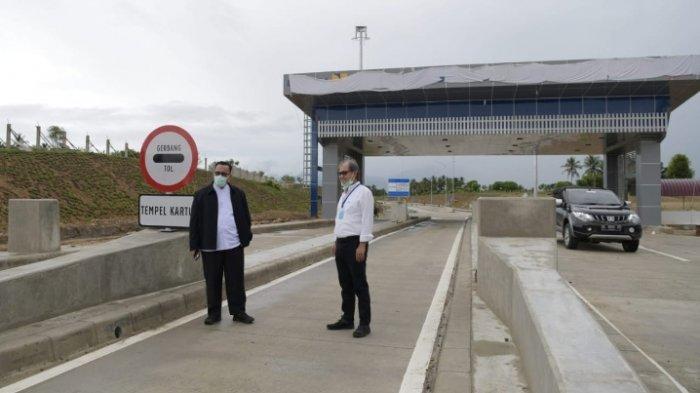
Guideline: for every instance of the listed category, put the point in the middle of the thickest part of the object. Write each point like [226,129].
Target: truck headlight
[582,216]
[634,218]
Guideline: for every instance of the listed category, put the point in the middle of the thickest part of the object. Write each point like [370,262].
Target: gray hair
[352,164]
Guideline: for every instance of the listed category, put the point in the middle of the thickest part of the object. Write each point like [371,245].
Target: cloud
[260,141]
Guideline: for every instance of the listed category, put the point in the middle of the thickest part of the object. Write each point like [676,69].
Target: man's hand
[333,248]
[195,254]
[361,252]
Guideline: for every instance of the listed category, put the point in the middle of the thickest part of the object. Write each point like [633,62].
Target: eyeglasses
[343,173]
[221,174]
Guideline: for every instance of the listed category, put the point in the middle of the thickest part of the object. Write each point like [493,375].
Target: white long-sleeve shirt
[355,213]
[226,230]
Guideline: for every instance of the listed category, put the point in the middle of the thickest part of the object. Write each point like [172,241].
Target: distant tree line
[442,184]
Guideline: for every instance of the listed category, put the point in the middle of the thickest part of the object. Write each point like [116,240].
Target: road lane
[288,348]
[652,298]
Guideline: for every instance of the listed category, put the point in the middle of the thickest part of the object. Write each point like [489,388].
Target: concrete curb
[434,365]
[8,261]
[563,349]
[265,228]
[29,349]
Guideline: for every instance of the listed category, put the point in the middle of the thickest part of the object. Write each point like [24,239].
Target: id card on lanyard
[341,212]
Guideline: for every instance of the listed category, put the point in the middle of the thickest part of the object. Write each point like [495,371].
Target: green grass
[462,199]
[93,187]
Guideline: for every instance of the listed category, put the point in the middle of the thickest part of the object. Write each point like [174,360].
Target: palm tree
[571,167]
[593,165]
[594,169]
[57,135]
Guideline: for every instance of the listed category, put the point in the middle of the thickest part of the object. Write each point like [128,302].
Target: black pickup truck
[596,215]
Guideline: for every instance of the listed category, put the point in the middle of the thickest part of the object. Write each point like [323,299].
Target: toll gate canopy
[616,107]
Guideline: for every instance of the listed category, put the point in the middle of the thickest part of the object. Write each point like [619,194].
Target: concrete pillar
[87,143]
[333,153]
[648,180]
[330,187]
[8,138]
[206,164]
[33,226]
[107,147]
[614,174]
[38,136]
[126,149]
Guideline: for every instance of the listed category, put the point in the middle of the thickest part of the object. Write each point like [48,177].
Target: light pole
[444,167]
[534,189]
[361,36]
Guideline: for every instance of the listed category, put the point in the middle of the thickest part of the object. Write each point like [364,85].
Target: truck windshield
[591,197]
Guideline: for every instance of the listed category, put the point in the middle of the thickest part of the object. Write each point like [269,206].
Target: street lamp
[361,36]
[444,167]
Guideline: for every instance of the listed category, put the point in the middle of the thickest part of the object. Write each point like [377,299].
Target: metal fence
[541,124]
[18,140]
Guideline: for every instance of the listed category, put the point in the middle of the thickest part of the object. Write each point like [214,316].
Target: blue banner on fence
[399,188]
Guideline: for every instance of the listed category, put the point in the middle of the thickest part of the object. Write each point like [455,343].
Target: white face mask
[220,181]
[346,184]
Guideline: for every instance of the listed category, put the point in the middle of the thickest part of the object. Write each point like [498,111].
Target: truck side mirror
[559,202]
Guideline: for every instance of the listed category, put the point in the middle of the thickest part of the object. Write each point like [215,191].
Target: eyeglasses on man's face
[217,173]
[343,173]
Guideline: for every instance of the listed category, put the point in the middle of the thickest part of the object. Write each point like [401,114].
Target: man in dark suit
[219,231]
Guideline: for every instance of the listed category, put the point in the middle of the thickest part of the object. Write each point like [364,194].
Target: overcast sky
[119,69]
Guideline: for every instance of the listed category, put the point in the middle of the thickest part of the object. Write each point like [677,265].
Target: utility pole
[534,189]
[453,180]
[38,136]
[431,189]
[8,139]
[361,36]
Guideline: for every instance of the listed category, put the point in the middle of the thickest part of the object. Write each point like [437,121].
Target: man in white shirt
[353,231]
[220,228]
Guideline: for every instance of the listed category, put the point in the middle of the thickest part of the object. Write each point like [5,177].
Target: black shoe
[243,318]
[211,320]
[340,325]
[361,331]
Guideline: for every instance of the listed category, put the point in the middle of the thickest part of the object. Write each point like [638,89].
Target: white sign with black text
[165,211]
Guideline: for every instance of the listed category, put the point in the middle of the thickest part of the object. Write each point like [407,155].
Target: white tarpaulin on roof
[510,73]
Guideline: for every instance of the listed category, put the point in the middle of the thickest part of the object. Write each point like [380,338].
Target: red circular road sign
[169,158]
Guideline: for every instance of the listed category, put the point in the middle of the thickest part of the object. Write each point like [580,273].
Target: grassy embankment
[95,189]
[464,198]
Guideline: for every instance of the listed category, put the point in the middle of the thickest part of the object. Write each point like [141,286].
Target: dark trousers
[228,263]
[353,280]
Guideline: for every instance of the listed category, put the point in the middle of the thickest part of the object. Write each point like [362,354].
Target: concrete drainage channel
[44,343]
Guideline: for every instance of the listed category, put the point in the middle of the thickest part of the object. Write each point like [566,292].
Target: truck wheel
[631,246]
[569,241]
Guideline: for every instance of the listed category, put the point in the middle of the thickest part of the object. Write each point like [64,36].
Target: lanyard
[342,205]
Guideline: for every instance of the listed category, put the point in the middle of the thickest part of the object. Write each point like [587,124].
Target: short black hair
[228,164]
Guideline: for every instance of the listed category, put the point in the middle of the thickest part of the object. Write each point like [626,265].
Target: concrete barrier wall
[140,263]
[562,347]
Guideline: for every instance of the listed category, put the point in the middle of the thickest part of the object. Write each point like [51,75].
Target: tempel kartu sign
[169,160]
